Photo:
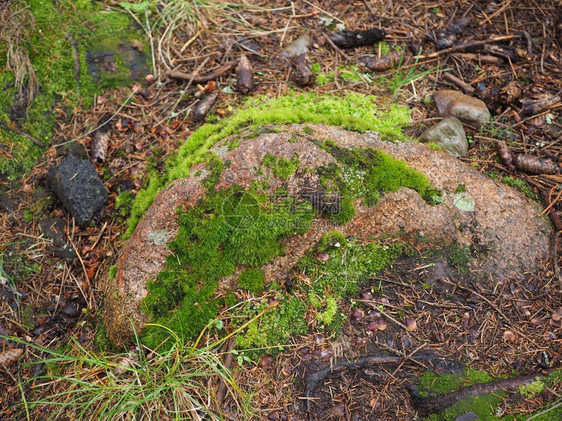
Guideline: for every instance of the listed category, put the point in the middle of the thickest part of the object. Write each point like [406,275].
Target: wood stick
[449,77]
[221,391]
[195,78]
[465,46]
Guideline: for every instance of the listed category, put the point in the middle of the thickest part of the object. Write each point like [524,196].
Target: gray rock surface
[452,103]
[500,219]
[78,187]
[449,134]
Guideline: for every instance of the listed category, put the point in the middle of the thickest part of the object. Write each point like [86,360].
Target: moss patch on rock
[230,228]
[237,229]
[352,111]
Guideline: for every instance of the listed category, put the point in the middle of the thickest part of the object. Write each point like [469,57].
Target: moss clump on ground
[252,280]
[431,383]
[520,185]
[59,35]
[275,327]
[330,240]
[353,112]
[229,228]
[347,266]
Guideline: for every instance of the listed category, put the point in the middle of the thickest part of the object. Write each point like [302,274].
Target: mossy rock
[261,203]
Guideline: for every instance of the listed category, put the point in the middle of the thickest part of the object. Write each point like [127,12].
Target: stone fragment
[449,134]
[77,185]
[456,104]
[501,219]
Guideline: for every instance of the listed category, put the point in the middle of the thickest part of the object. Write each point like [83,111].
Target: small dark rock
[77,185]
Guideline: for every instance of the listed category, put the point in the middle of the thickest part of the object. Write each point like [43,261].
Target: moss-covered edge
[352,111]
[484,406]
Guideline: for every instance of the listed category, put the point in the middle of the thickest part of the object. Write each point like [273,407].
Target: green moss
[459,257]
[353,112]
[533,388]
[252,280]
[520,185]
[481,405]
[124,202]
[329,318]
[275,327]
[369,173]
[62,33]
[347,267]
[434,146]
[102,339]
[331,239]
[112,271]
[227,229]
[432,383]
[282,168]
[365,173]
[308,130]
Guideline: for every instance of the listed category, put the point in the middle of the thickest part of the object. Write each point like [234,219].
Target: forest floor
[507,53]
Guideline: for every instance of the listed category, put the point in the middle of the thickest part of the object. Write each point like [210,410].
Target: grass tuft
[176,383]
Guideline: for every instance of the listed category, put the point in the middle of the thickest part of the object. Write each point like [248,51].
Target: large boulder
[496,221]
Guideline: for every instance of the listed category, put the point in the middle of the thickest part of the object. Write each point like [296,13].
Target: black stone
[78,187]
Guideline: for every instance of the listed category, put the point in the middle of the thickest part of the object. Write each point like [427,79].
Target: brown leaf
[411,325]
[509,336]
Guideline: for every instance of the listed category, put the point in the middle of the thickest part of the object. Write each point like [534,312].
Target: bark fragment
[245,76]
[303,75]
[385,62]
[204,107]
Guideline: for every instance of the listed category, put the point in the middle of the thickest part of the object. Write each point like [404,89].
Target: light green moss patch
[346,266]
[229,228]
[275,327]
[432,383]
[353,112]
[252,280]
